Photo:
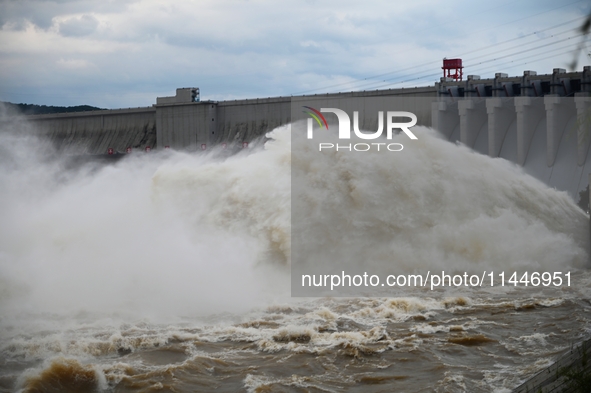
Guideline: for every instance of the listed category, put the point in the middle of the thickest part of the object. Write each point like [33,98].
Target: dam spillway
[540,122]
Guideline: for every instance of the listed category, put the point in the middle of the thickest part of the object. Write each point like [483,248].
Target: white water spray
[177,234]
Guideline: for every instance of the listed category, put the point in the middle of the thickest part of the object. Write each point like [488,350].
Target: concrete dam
[541,122]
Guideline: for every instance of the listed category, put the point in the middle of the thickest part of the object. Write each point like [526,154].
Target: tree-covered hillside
[30,109]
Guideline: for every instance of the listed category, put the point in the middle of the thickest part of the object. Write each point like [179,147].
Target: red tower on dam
[450,65]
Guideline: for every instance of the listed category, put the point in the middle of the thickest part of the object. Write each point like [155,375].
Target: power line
[496,66]
[520,46]
[410,77]
[571,47]
[366,82]
[528,50]
[530,16]
[525,36]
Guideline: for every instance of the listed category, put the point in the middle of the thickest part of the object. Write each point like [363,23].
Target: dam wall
[199,125]
[183,125]
[540,122]
[244,120]
[95,132]
[180,123]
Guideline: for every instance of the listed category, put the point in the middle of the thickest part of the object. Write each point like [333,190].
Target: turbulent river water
[170,272]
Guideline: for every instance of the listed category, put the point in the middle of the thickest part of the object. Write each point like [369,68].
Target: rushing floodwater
[168,272]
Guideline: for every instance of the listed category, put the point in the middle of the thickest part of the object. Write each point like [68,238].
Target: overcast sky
[125,53]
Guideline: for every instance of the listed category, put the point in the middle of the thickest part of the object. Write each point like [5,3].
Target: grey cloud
[15,14]
[235,49]
[81,26]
